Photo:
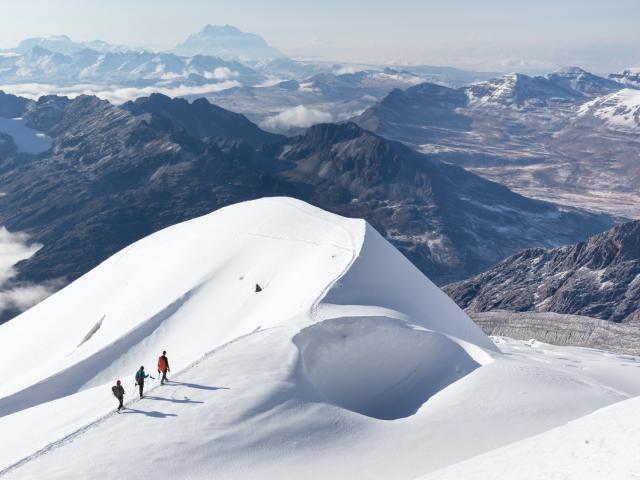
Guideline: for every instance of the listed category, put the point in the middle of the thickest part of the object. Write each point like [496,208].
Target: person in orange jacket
[163,367]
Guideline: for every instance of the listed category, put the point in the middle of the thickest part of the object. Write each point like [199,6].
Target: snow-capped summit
[519,90]
[619,110]
[579,80]
[229,43]
[212,264]
[66,46]
[58,43]
[301,344]
[629,77]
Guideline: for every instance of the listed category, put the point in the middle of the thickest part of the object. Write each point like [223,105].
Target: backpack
[139,376]
[115,391]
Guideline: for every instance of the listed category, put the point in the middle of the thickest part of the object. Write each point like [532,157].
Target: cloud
[15,247]
[221,73]
[115,94]
[23,298]
[348,69]
[299,116]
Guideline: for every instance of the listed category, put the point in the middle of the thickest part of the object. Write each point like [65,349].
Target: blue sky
[483,34]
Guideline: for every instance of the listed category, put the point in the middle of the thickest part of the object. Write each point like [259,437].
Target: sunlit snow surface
[348,363]
[618,109]
[601,445]
[26,139]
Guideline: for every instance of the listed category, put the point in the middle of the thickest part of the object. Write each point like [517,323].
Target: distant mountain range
[291,105]
[599,277]
[237,70]
[121,68]
[117,173]
[629,77]
[569,137]
[64,45]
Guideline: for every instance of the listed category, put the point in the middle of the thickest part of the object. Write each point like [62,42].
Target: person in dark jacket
[163,367]
[118,392]
[140,376]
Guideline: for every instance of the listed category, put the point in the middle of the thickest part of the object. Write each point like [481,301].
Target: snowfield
[346,363]
[619,109]
[601,445]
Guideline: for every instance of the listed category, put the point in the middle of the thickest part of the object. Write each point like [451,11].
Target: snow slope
[347,362]
[601,445]
[618,110]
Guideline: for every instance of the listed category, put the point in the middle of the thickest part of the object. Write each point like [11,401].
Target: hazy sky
[503,35]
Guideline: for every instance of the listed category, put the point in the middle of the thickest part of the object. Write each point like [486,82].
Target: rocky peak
[598,277]
[583,82]
[12,106]
[201,119]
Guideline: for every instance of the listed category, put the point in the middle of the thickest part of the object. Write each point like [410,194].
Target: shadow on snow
[152,413]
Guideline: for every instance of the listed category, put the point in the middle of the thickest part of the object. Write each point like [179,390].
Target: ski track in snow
[104,418]
[313,314]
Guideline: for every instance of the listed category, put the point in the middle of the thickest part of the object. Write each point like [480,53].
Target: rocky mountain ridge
[115,174]
[569,137]
[599,277]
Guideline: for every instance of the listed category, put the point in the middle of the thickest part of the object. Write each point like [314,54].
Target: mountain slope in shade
[444,218]
[567,137]
[12,106]
[201,119]
[344,364]
[115,174]
[579,80]
[598,278]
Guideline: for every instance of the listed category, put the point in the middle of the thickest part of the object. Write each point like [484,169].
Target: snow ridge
[348,362]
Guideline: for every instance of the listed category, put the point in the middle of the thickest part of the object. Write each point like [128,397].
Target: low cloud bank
[19,299]
[15,247]
[118,95]
[300,116]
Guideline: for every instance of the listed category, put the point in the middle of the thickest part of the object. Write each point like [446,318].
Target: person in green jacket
[140,376]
